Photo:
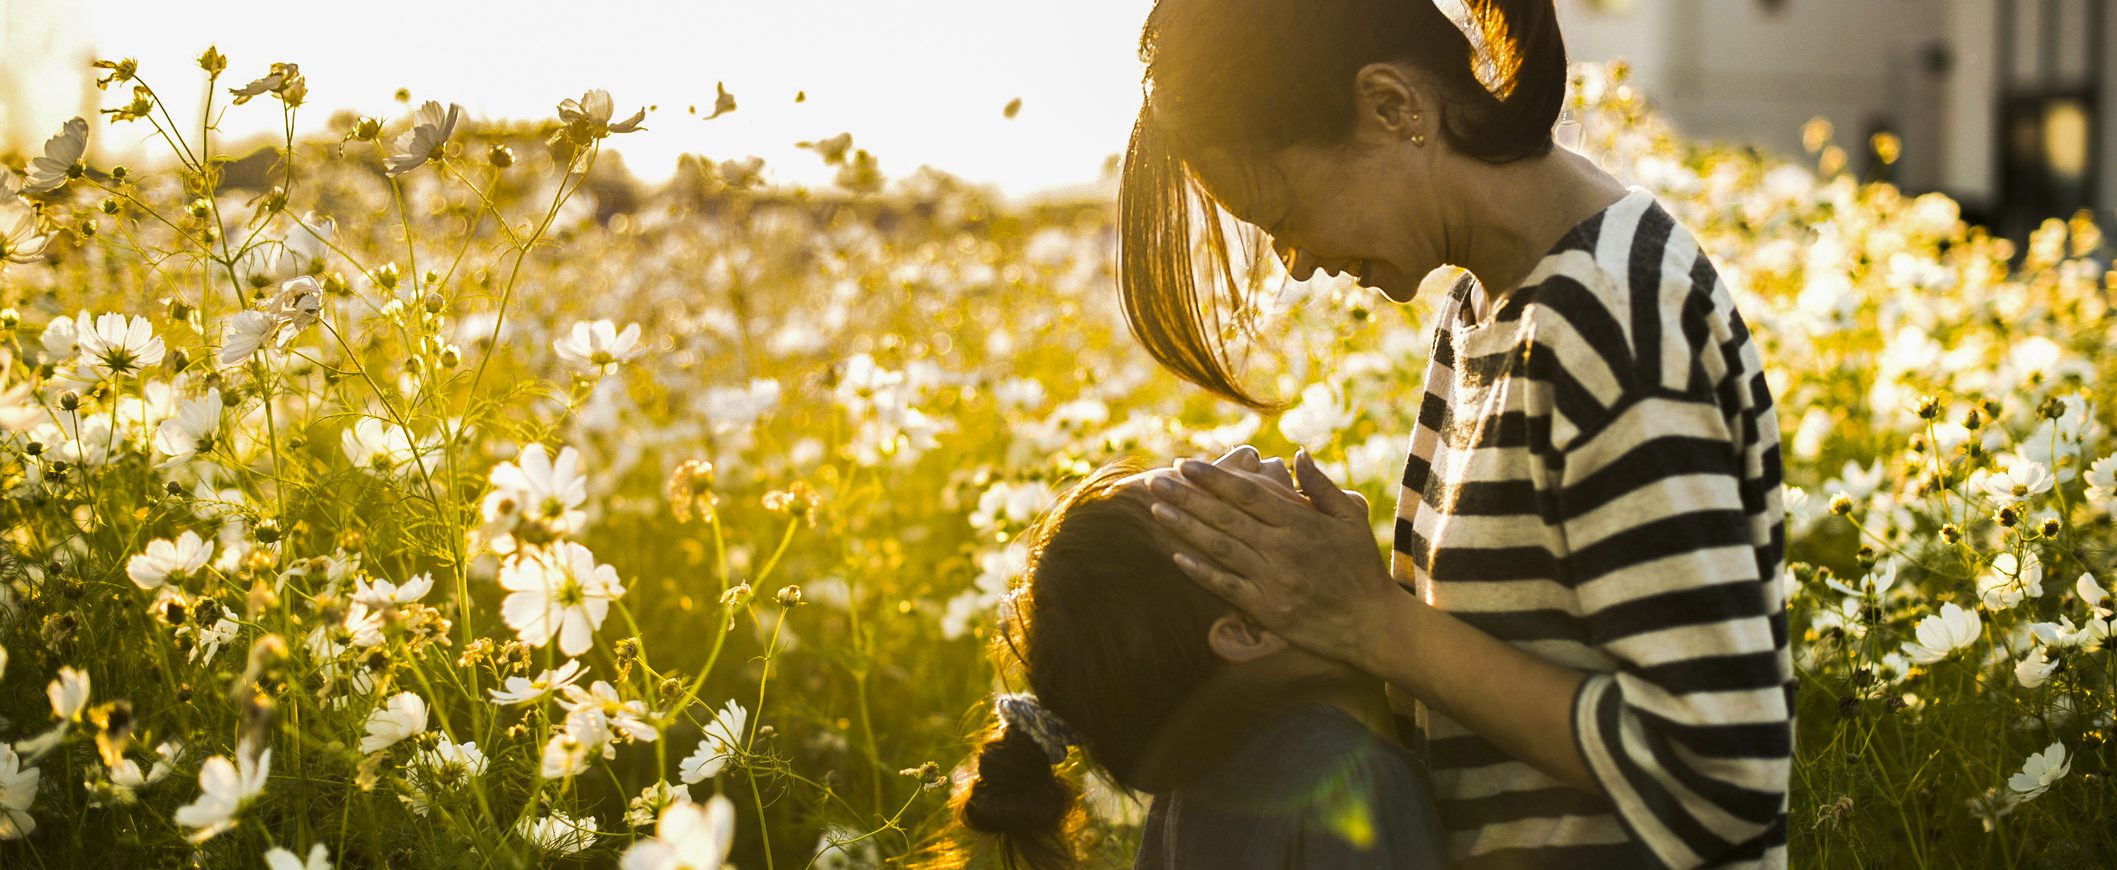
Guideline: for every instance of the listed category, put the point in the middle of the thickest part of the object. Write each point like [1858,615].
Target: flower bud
[199,207]
[69,401]
[386,276]
[118,173]
[2050,527]
[501,156]
[789,597]
[10,318]
[2051,408]
[213,62]
[1841,504]
[109,205]
[1929,407]
[1974,419]
[2007,516]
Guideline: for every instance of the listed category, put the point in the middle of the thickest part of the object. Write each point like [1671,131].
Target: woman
[1258,755]
[1583,617]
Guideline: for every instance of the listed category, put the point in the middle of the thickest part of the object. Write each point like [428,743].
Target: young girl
[1257,754]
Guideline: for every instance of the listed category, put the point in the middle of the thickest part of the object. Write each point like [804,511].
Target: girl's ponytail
[1519,57]
[1017,795]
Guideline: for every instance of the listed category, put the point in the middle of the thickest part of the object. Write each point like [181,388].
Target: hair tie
[1020,711]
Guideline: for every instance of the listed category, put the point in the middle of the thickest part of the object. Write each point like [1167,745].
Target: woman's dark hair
[1245,78]
[1111,638]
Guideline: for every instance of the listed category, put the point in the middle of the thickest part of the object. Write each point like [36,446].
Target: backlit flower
[2009,581]
[193,429]
[1943,633]
[382,593]
[590,115]
[20,242]
[403,716]
[18,792]
[561,592]
[61,160]
[687,836]
[643,810]
[623,715]
[284,81]
[557,834]
[522,691]
[2017,480]
[536,499]
[591,347]
[431,128]
[68,694]
[2040,771]
[278,858]
[164,560]
[243,334]
[117,345]
[723,738]
[225,788]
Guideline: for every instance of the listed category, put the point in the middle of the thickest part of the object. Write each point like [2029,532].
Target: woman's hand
[1311,574]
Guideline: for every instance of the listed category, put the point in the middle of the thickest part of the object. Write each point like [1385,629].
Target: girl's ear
[1236,639]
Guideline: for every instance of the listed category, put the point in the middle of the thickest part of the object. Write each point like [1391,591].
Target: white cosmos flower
[19,240]
[688,836]
[564,755]
[431,128]
[117,345]
[243,334]
[559,592]
[193,429]
[297,307]
[536,499]
[69,694]
[2009,580]
[284,80]
[278,858]
[403,716]
[591,114]
[383,593]
[444,767]
[723,737]
[61,160]
[2091,593]
[1993,805]
[2034,669]
[165,559]
[557,834]
[2017,480]
[126,774]
[645,809]
[590,347]
[208,640]
[523,691]
[623,715]
[225,787]
[2040,771]
[2102,481]
[18,791]
[382,447]
[62,335]
[1943,633]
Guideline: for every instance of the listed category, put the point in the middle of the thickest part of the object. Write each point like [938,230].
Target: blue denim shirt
[1312,789]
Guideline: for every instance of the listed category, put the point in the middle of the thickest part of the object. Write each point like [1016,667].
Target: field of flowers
[433,496]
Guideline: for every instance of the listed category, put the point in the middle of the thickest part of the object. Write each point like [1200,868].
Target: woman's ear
[1237,640]
[1390,103]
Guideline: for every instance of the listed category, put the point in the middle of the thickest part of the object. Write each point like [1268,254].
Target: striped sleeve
[1691,734]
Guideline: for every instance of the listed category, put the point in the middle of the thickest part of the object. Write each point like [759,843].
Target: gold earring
[1418,139]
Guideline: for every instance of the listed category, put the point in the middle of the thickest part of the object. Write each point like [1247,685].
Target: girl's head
[1330,125]
[1154,675]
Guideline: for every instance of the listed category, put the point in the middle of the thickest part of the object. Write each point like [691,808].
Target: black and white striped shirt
[1594,478]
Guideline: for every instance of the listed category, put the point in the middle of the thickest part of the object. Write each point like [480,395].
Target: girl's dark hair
[1111,637]
[1245,78]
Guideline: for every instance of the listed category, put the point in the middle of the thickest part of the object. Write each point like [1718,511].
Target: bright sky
[915,81]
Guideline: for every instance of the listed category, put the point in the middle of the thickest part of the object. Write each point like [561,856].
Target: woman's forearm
[1516,701]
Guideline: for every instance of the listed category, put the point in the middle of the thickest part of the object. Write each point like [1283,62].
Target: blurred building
[1998,103]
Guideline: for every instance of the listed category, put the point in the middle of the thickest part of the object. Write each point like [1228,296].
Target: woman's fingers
[1230,586]
[1244,457]
[1218,544]
[1248,495]
[1324,492]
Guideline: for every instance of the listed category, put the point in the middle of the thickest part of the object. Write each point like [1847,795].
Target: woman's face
[1336,209]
